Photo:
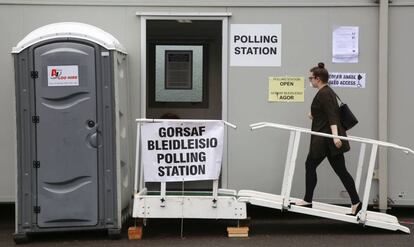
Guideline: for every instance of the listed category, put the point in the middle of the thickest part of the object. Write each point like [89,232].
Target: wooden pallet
[135,233]
[238,232]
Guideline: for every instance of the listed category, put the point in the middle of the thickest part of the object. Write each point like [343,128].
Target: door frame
[208,16]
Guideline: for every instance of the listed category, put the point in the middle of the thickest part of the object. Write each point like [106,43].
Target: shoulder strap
[337,96]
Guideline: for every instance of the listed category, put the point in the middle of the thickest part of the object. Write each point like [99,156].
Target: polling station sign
[255,44]
[286,89]
[348,80]
[182,151]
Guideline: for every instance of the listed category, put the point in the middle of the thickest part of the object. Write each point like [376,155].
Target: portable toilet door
[66,126]
[66,144]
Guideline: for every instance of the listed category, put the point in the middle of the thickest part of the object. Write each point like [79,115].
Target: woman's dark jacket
[325,112]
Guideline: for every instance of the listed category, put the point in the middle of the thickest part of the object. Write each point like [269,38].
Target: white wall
[401,119]
[306,40]
[255,159]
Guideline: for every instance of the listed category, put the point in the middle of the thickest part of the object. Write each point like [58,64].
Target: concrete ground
[267,228]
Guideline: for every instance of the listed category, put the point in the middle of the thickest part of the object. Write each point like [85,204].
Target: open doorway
[184,69]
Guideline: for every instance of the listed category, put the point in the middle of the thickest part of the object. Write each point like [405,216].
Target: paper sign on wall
[255,44]
[350,80]
[345,44]
[64,75]
[173,151]
[286,89]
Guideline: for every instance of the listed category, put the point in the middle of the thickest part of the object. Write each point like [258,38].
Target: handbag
[348,119]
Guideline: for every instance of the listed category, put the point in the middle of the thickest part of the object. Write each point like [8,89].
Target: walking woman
[325,118]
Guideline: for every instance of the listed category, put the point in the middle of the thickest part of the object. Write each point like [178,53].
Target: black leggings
[338,164]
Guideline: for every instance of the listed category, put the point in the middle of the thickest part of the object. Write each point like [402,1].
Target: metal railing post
[360,165]
[291,171]
[137,164]
[368,183]
[287,164]
[163,193]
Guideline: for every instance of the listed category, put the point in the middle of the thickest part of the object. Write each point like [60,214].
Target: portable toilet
[73,165]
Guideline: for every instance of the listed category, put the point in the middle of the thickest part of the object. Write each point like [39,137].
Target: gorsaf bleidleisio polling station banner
[181,151]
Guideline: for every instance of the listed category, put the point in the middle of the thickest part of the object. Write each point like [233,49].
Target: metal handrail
[154,120]
[348,138]
[294,139]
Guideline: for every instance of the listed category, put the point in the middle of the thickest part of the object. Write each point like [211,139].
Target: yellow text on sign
[286,89]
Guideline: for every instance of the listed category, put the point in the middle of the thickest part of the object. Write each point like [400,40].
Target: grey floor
[267,228]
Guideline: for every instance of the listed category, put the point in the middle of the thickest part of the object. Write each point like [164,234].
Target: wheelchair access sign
[348,80]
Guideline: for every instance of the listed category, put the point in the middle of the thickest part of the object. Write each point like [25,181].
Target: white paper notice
[64,75]
[345,44]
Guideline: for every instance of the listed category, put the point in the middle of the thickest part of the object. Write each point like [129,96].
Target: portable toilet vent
[73,169]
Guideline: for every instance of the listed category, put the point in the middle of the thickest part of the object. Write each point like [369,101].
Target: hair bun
[321,65]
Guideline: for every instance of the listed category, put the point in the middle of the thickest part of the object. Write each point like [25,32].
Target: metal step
[189,205]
